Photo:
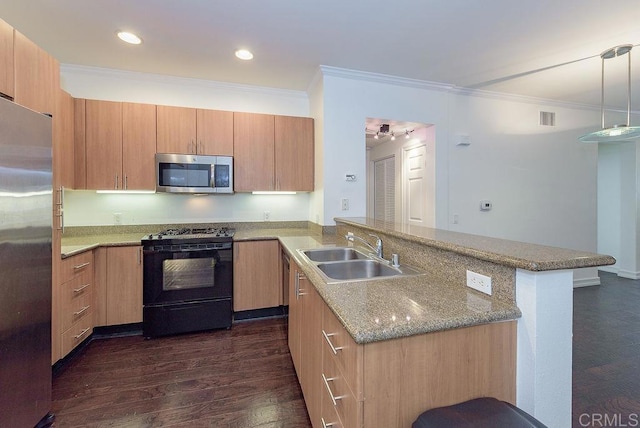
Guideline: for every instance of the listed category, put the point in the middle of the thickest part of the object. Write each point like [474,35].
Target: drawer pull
[326,384]
[78,290]
[82,333]
[333,348]
[82,265]
[327,425]
[81,311]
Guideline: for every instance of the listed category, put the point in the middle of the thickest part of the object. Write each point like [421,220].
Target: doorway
[401,172]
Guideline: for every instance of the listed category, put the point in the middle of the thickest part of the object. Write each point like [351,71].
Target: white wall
[88,208]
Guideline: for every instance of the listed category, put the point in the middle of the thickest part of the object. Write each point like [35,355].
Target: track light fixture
[384,131]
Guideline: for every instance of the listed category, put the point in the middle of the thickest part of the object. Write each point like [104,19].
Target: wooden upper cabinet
[176,129]
[194,131]
[103,144]
[294,153]
[37,76]
[139,146]
[79,130]
[6,59]
[63,142]
[214,132]
[273,153]
[253,152]
[116,144]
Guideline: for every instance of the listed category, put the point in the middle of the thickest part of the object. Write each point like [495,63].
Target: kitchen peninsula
[532,296]
[537,279]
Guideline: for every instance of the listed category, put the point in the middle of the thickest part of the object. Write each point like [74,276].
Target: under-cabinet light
[272,193]
[124,192]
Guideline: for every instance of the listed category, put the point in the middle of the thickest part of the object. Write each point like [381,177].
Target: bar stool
[483,412]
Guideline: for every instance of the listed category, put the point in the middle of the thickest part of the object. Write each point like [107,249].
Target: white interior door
[415,186]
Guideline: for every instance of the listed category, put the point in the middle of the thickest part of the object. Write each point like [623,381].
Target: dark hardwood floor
[244,377]
[606,353]
[237,378]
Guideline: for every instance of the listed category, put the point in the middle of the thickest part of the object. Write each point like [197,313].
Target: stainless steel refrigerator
[25,266]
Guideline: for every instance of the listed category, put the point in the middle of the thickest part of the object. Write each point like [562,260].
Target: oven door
[177,274]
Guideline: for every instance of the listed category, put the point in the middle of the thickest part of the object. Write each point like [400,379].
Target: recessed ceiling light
[244,54]
[131,38]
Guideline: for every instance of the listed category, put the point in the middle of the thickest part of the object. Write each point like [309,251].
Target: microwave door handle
[212,183]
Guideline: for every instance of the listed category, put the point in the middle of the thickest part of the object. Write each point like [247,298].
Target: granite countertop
[513,254]
[79,244]
[384,309]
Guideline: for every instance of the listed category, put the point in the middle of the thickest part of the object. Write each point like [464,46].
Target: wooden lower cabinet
[118,285]
[389,383]
[305,304]
[75,303]
[256,275]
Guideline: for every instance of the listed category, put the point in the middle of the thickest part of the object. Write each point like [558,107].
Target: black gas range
[188,280]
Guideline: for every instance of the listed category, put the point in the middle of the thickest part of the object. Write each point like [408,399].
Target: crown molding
[453,89]
[384,78]
[175,80]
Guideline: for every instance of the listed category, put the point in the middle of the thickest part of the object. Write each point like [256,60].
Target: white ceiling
[544,48]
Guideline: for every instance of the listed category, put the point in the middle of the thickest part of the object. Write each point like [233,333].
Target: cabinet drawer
[335,385]
[330,418]
[78,309]
[76,334]
[76,288]
[79,265]
[346,353]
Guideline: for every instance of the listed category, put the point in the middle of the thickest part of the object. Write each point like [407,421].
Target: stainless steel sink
[343,264]
[357,269]
[334,254]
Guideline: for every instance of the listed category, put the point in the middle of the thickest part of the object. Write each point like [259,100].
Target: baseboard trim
[586,282]
[628,274]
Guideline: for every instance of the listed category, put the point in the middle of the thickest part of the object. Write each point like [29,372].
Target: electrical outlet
[117,218]
[479,282]
[345,204]
[267,215]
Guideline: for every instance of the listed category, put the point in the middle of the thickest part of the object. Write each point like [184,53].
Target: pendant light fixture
[615,133]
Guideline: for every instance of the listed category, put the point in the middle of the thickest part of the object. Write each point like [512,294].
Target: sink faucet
[378,248]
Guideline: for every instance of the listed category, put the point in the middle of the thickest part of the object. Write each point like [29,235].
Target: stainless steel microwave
[178,173]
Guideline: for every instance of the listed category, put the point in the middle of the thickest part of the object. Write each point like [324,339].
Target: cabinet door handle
[82,333]
[126,186]
[201,149]
[60,205]
[334,349]
[79,289]
[116,181]
[81,311]
[82,265]
[140,255]
[326,384]
[299,292]
[326,425]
